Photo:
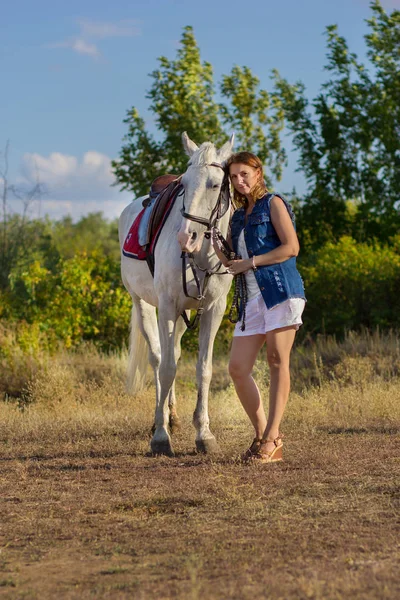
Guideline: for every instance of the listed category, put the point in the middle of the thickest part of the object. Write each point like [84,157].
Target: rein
[200,289]
[240,286]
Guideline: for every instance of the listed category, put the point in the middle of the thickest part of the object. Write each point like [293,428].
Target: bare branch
[14,222]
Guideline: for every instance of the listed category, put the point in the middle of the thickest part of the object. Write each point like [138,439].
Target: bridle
[216,214]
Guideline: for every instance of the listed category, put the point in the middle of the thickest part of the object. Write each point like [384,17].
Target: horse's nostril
[193,237]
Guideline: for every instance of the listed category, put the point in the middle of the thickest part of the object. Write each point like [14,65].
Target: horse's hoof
[207,446]
[174,423]
[161,447]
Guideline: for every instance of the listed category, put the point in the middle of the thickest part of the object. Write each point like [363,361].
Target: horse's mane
[205,155]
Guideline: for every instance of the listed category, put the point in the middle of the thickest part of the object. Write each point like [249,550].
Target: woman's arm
[289,247]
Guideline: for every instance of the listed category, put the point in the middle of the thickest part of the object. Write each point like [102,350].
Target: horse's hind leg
[148,326]
[174,422]
[167,317]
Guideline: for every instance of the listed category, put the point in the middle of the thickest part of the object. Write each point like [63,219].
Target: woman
[264,236]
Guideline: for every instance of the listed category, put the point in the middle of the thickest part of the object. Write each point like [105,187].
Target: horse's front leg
[161,441]
[209,324]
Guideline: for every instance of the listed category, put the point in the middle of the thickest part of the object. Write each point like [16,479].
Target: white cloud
[97,30]
[74,186]
[100,30]
[79,46]
[82,47]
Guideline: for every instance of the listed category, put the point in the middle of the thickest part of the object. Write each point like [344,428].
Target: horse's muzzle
[189,241]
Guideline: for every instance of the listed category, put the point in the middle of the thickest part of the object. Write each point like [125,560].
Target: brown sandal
[253,450]
[274,455]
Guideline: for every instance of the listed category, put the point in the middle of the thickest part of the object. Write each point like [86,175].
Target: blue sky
[70,70]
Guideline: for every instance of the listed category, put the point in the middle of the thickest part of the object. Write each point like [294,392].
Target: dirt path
[105,521]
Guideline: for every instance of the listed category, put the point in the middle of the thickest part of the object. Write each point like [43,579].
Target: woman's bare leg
[243,356]
[279,345]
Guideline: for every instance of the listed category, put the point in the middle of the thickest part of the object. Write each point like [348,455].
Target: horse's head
[202,186]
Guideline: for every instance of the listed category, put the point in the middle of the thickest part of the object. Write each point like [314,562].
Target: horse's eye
[216,186]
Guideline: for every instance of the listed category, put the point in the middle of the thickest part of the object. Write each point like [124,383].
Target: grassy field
[86,513]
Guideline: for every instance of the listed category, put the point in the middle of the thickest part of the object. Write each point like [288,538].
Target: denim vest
[277,282]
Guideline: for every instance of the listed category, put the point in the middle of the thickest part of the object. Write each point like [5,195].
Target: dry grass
[86,514]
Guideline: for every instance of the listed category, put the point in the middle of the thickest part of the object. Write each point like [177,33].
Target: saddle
[162,188]
[160,183]
[165,189]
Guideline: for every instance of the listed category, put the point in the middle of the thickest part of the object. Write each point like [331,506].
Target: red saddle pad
[131,246]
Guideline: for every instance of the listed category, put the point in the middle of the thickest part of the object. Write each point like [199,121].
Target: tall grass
[77,396]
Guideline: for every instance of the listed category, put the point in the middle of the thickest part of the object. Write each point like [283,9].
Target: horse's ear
[189,146]
[226,150]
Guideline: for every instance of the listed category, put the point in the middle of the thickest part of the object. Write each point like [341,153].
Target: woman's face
[244,178]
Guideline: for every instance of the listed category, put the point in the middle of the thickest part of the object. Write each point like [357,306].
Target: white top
[253,289]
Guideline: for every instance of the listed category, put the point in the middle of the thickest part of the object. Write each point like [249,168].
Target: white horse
[201,183]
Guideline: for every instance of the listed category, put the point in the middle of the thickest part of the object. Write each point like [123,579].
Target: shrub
[350,285]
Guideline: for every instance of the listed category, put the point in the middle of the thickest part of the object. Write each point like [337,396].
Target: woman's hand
[239,266]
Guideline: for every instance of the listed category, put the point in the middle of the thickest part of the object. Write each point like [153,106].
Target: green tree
[91,233]
[248,113]
[182,98]
[348,137]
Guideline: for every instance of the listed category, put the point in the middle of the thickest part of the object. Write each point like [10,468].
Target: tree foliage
[66,281]
[348,137]
[82,300]
[249,112]
[67,296]
[183,98]
[92,233]
[351,285]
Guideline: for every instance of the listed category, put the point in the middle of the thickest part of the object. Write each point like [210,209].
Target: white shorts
[260,319]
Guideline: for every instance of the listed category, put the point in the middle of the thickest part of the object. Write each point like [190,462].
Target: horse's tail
[138,356]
